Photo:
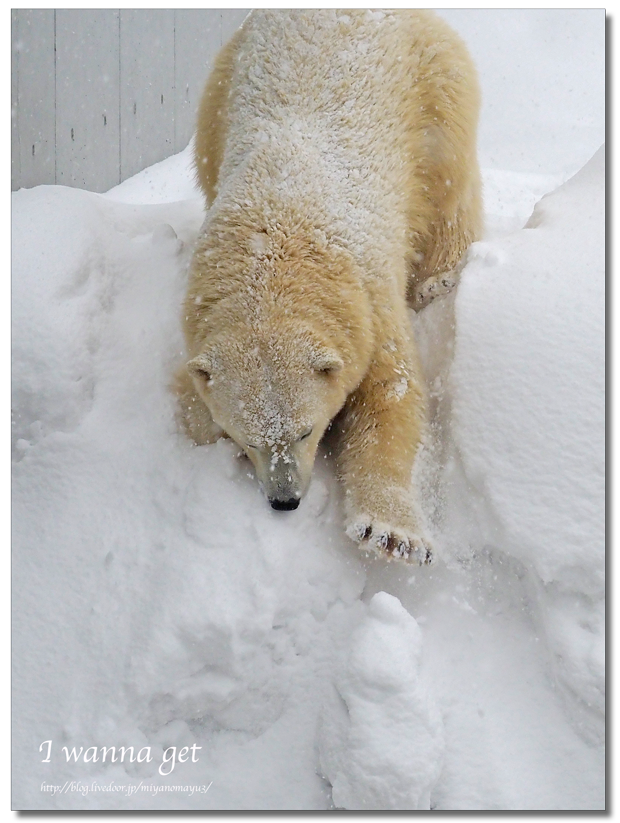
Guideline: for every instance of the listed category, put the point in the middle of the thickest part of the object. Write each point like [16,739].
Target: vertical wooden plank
[147,88]
[231,20]
[33,97]
[15,49]
[197,42]
[87,97]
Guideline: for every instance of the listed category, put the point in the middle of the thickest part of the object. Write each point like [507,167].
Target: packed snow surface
[258,660]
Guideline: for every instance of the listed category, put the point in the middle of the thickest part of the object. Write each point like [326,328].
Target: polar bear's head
[274,390]
[280,333]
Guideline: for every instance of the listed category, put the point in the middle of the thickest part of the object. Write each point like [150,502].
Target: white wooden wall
[99,94]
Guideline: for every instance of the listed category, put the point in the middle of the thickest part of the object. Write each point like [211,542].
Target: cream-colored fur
[337,153]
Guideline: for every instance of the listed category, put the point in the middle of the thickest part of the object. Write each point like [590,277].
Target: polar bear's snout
[284,505]
[282,484]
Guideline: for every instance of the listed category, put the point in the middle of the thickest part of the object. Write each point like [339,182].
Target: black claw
[382,541]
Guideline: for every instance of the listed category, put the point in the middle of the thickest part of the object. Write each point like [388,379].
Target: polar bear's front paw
[389,542]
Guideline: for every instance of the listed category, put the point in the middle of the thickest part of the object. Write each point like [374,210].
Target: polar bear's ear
[201,367]
[326,361]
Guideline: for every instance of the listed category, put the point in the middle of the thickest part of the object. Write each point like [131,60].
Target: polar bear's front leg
[380,430]
[194,416]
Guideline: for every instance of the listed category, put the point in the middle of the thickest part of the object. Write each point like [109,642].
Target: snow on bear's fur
[337,154]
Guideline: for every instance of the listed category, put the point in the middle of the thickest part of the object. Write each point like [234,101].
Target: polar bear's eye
[304,435]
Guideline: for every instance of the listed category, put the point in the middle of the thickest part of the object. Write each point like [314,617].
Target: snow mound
[381,741]
[527,389]
[158,601]
[510,196]
[169,180]
[152,581]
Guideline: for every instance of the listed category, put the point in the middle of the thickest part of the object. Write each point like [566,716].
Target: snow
[381,739]
[159,603]
[543,479]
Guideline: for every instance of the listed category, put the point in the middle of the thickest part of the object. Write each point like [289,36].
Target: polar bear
[337,154]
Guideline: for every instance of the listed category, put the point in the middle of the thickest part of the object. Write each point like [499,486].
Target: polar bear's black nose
[284,505]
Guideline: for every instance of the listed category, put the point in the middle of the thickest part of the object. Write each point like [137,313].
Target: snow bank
[169,180]
[159,602]
[153,587]
[527,387]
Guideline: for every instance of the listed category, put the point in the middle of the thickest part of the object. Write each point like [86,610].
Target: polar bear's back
[366,116]
[320,60]
[355,70]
